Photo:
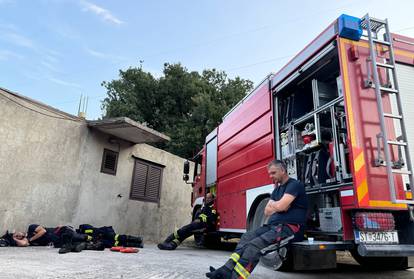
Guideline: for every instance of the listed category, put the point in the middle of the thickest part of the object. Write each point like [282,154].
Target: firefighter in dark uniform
[287,211]
[109,238]
[206,220]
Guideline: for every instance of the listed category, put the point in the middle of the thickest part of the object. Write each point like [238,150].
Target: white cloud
[18,40]
[103,13]
[66,31]
[6,55]
[49,66]
[63,82]
[34,75]
[51,56]
[95,53]
[8,26]
[105,56]
[10,34]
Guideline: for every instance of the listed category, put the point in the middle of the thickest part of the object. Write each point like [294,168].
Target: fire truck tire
[287,264]
[384,263]
[259,219]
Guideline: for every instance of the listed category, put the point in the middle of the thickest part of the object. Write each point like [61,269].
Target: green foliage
[184,105]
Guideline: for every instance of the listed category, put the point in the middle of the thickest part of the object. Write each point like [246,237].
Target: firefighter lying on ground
[67,239]
[63,237]
[287,210]
[205,221]
[109,238]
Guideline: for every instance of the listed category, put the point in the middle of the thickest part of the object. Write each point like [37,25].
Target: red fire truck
[340,114]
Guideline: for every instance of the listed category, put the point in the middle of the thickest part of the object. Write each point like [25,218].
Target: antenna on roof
[86,106]
[83,106]
[80,102]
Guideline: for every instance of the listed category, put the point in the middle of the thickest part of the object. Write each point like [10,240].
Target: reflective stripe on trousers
[238,267]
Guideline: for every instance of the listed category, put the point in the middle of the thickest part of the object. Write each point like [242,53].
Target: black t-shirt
[296,214]
[45,239]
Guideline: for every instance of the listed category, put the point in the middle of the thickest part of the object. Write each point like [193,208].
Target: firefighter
[63,237]
[206,220]
[109,238]
[287,210]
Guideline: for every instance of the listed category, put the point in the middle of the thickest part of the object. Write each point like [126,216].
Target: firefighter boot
[66,248]
[96,245]
[133,241]
[66,244]
[167,245]
[223,272]
[78,247]
[170,238]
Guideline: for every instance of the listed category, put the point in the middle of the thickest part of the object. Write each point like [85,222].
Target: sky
[54,51]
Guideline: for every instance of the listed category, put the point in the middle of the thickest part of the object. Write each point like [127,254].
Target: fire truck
[340,114]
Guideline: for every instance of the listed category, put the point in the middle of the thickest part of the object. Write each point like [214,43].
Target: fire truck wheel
[259,218]
[277,263]
[384,263]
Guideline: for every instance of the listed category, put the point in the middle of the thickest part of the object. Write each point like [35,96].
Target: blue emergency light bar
[349,27]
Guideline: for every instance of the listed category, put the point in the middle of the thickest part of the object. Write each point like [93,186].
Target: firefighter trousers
[68,236]
[248,251]
[188,230]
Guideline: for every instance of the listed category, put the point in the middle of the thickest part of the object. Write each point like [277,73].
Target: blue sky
[56,50]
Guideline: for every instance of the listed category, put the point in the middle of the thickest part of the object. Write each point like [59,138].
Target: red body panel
[371,182]
[245,146]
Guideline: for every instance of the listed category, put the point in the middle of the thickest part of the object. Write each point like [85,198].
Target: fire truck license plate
[377,237]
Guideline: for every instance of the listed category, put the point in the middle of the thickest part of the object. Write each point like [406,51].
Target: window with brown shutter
[146,181]
[109,162]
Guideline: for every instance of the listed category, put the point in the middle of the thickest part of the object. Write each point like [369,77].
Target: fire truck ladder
[372,26]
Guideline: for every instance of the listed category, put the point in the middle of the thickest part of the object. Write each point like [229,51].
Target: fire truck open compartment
[312,138]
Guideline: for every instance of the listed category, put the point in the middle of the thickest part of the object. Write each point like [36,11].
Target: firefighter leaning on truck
[287,211]
[205,221]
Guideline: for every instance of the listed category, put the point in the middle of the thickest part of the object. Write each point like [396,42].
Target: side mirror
[186,177]
[186,168]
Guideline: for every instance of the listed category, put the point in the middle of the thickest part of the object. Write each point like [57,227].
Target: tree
[184,105]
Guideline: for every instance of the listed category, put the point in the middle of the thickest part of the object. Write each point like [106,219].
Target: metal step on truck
[341,115]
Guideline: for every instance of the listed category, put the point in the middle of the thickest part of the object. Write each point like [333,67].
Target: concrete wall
[175,204]
[39,165]
[101,191]
[50,174]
